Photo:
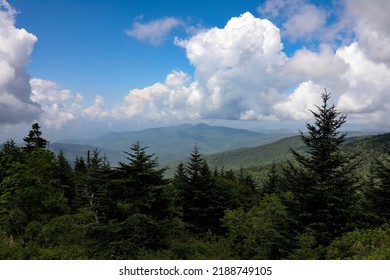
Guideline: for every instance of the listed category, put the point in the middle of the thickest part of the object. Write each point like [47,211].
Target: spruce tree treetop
[34,140]
[323,141]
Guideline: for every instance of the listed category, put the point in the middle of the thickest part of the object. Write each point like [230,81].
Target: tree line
[317,206]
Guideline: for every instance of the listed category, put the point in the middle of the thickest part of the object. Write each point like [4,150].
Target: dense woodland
[326,203]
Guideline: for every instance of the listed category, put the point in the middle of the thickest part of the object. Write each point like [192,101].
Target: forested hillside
[325,197]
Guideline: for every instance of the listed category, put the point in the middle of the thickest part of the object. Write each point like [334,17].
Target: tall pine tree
[324,182]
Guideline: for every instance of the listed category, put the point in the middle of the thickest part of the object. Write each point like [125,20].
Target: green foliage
[205,196]
[134,208]
[307,248]
[371,244]
[378,191]
[314,207]
[31,193]
[262,232]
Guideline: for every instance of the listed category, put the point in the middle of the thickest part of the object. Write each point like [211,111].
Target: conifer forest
[327,202]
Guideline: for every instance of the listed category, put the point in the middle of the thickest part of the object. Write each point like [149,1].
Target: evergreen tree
[31,194]
[80,166]
[204,198]
[378,194]
[141,181]
[180,173]
[10,153]
[65,174]
[324,182]
[134,208]
[97,170]
[274,182]
[34,140]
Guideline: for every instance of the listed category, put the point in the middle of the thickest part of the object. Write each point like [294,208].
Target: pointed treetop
[34,140]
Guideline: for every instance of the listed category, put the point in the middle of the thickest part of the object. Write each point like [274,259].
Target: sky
[82,68]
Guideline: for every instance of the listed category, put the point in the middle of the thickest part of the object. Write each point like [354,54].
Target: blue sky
[86,67]
[83,46]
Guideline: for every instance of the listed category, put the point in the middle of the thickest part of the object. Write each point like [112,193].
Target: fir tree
[34,140]
[133,207]
[378,194]
[324,182]
[65,174]
[203,198]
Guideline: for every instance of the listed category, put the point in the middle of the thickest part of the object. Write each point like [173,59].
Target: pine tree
[34,140]
[141,181]
[180,173]
[324,182]
[203,198]
[134,211]
[10,153]
[65,174]
[378,194]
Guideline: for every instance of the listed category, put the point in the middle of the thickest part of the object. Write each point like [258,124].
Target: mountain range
[170,144]
[225,147]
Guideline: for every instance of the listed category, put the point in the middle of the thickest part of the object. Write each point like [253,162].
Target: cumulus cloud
[154,31]
[371,23]
[236,76]
[16,46]
[62,106]
[296,106]
[236,67]
[175,99]
[96,110]
[368,82]
[59,106]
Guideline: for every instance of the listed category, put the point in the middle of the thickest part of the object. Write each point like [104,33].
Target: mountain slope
[368,147]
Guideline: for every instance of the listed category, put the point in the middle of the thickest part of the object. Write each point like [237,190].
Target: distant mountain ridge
[168,143]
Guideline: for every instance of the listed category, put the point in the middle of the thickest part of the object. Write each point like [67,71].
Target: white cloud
[16,46]
[371,22]
[155,31]
[236,67]
[59,106]
[322,67]
[175,99]
[296,106]
[236,76]
[369,83]
[96,110]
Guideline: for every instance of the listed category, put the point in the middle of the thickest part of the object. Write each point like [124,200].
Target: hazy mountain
[169,143]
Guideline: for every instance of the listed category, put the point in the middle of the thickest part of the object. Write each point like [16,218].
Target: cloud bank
[16,46]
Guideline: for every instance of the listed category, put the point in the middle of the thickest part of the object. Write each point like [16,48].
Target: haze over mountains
[224,146]
[168,143]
